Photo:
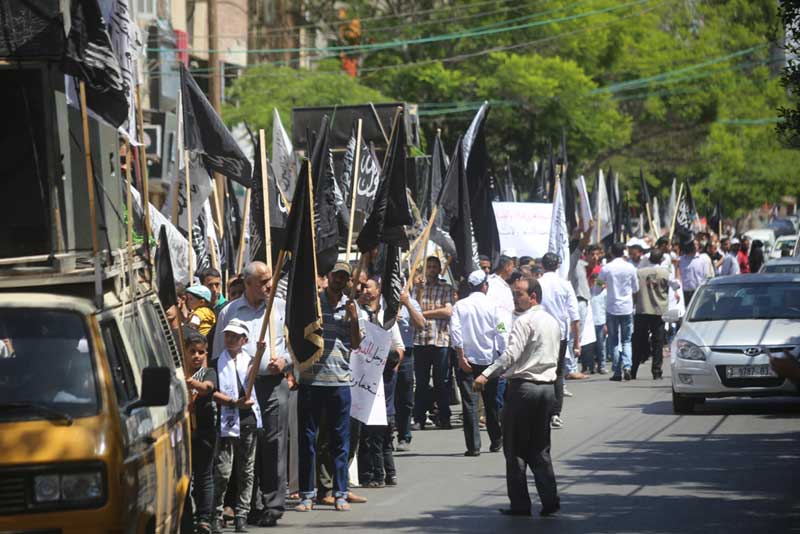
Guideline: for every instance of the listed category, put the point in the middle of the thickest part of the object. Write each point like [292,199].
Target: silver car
[723,345]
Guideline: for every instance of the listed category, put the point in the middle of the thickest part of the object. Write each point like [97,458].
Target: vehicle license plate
[748,371]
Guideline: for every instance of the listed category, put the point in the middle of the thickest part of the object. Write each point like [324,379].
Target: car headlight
[76,488]
[47,488]
[689,351]
[82,486]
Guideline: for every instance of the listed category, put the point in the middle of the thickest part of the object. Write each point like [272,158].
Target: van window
[124,384]
[47,366]
[136,332]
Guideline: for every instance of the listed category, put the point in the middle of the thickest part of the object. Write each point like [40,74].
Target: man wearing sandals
[323,397]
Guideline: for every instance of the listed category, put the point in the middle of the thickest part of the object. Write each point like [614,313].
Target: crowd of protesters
[505,342]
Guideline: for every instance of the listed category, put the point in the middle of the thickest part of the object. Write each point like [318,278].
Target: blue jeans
[311,402]
[600,347]
[620,334]
[404,396]
[429,358]
[571,362]
[501,394]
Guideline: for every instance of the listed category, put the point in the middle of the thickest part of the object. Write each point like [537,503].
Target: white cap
[477,278]
[237,326]
[735,241]
[636,242]
[510,252]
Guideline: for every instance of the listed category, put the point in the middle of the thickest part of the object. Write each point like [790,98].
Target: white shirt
[532,352]
[500,293]
[477,327]
[242,310]
[695,270]
[397,337]
[559,300]
[730,265]
[621,283]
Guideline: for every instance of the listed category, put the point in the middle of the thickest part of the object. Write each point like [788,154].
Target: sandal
[306,505]
[342,505]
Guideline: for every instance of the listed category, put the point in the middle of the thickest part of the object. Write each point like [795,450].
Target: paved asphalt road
[624,463]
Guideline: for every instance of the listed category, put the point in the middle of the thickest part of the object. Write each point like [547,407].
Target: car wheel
[681,403]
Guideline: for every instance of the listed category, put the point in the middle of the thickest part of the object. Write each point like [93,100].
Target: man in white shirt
[730,263]
[621,283]
[530,362]
[478,334]
[695,269]
[559,300]
[500,293]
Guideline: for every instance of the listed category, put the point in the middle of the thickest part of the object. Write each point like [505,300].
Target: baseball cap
[237,326]
[476,278]
[342,267]
[199,291]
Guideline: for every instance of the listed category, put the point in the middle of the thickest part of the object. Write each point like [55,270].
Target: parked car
[782,265]
[781,243]
[782,227]
[723,343]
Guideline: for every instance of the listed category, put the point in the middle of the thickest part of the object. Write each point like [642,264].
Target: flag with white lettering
[284,163]
[558,241]
[205,134]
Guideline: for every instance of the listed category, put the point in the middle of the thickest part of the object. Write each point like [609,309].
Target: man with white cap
[270,386]
[730,265]
[478,331]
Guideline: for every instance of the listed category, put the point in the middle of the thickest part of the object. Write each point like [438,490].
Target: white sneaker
[568,393]
[556,422]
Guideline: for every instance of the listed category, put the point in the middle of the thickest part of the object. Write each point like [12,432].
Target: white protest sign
[367,399]
[524,226]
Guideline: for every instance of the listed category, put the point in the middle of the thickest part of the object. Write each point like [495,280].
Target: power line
[475,32]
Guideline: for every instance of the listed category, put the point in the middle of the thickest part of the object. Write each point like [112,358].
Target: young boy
[201,382]
[238,423]
[201,316]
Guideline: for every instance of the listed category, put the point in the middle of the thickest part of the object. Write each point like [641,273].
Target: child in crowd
[201,382]
[239,421]
[235,288]
[201,316]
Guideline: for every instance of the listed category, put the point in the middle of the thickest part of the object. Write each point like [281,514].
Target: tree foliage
[680,88]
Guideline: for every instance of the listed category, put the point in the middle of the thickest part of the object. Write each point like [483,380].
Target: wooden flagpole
[213,252]
[353,195]
[421,252]
[267,231]
[675,215]
[245,222]
[87,150]
[129,199]
[650,218]
[145,177]
[189,217]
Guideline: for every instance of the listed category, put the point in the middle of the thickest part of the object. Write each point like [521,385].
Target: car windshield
[746,301]
[46,368]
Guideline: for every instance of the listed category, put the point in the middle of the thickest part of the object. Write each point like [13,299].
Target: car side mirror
[156,383]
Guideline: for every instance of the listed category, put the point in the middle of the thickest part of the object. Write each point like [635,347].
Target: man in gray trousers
[530,363]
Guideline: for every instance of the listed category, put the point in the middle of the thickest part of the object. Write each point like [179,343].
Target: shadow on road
[776,407]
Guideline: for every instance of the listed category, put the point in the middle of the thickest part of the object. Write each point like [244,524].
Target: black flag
[476,162]
[278,213]
[391,285]
[233,230]
[647,205]
[569,204]
[685,215]
[326,225]
[438,170]
[303,310]
[715,220]
[454,201]
[540,182]
[390,211]
[89,56]
[206,134]
[164,276]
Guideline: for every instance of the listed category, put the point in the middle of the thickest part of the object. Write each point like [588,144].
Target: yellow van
[94,425]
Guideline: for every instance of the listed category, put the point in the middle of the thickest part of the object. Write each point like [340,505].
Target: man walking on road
[559,300]
[621,283]
[530,362]
[652,301]
[478,334]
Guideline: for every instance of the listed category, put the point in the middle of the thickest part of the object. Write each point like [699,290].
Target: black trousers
[273,446]
[648,342]
[526,443]
[469,406]
[559,383]
[375,458]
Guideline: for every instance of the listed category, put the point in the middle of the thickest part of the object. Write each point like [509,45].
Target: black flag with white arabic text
[206,134]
